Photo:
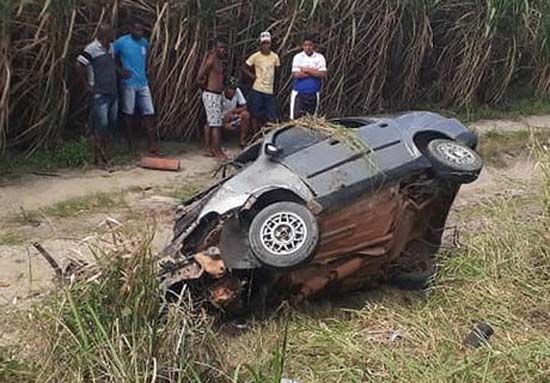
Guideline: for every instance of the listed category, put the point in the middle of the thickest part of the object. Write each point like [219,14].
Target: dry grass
[106,326]
[382,54]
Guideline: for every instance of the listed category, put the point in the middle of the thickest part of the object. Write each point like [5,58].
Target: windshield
[292,140]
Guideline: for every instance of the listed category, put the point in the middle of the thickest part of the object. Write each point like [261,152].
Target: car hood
[261,176]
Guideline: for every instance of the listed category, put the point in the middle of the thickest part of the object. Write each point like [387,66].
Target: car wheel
[453,161]
[283,234]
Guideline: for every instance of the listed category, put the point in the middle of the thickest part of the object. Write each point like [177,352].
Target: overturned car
[318,210]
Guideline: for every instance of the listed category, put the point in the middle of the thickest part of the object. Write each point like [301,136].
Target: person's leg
[244,127]
[255,107]
[214,117]
[271,108]
[216,126]
[293,107]
[217,142]
[111,127]
[145,102]
[128,106]
[100,112]
[207,140]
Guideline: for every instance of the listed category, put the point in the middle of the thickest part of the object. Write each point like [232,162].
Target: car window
[293,140]
[351,123]
[249,154]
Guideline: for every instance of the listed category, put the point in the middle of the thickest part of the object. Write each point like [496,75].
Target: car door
[339,169]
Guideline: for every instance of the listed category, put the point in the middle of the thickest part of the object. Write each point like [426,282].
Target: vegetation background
[382,54]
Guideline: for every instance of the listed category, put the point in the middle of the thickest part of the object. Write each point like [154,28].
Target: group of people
[117,69]
[114,70]
[226,106]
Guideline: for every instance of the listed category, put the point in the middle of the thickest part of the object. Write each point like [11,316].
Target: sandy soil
[24,275]
[504,126]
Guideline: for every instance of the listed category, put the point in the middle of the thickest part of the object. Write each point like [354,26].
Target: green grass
[108,328]
[76,154]
[10,238]
[72,154]
[510,110]
[495,146]
[14,370]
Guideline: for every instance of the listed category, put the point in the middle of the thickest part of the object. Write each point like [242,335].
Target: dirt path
[507,126]
[24,275]
[31,192]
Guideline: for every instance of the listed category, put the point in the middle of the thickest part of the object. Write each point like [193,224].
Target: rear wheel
[453,161]
[284,234]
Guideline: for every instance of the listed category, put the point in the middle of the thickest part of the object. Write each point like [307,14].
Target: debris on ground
[480,335]
[156,163]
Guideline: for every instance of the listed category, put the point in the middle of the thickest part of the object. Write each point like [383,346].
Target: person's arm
[320,72]
[239,109]
[246,68]
[82,63]
[277,74]
[241,103]
[121,72]
[310,72]
[147,47]
[296,69]
[81,71]
[205,68]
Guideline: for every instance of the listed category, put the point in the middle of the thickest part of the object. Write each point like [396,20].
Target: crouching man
[235,110]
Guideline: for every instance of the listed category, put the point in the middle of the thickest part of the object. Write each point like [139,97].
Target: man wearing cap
[260,67]
[309,68]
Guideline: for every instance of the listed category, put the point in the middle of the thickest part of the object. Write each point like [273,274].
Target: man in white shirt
[309,68]
[235,111]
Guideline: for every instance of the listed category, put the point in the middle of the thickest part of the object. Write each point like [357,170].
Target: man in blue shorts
[309,69]
[261,67]
[131,52]
[97,68]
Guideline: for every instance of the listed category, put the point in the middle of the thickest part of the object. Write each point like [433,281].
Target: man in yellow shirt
[261,67]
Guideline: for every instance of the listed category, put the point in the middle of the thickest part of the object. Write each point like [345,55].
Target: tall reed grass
[382,55]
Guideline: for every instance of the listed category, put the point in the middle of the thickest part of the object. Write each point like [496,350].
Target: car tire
[284,235]
[453,161]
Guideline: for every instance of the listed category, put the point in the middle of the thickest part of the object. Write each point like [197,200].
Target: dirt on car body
[308,211]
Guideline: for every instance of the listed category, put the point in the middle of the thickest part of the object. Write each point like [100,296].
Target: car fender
[258,179]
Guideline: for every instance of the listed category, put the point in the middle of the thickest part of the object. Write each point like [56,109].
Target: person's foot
[220,155]
[156,152]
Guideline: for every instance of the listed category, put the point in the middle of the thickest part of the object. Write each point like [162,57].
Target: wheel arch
[422,138]
[268,197]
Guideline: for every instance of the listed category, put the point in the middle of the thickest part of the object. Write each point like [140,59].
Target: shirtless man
[211,76]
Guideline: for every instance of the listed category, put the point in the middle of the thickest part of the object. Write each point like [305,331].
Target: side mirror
[272,150]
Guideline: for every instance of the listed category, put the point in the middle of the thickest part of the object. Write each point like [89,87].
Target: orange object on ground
[160,164]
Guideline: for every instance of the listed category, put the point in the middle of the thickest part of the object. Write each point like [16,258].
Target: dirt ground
[25,276]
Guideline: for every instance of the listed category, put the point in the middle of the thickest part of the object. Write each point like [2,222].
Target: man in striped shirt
[97,68]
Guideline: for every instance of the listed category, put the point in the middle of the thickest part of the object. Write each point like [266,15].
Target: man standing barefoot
[210,78]
[96,66]
[131,52]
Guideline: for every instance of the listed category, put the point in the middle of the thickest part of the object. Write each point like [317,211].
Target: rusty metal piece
[51,261]
[225,292]
[160,164]
[213,265]
[191,271]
